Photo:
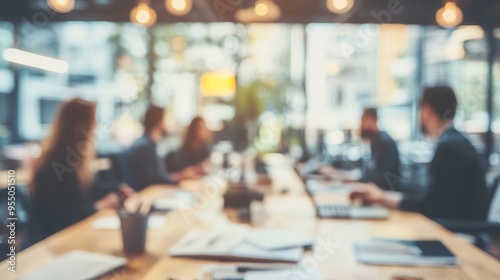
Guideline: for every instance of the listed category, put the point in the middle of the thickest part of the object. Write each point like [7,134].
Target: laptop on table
[342,211]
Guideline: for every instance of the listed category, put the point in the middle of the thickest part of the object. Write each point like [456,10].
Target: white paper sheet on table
[228,243]
[113,223]
[76,265]
[275,239]
[279,275]
[325,187]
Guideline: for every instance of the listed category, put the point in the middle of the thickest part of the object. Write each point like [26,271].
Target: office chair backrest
[27,227]
[492,202]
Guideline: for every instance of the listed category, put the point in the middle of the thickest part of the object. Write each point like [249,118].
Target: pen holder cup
[134,230]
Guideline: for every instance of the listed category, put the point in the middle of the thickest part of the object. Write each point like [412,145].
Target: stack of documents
[404,252]
[76,265]
[238,242]
[276,239]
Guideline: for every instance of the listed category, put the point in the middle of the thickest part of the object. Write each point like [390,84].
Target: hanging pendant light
[339,6]
[450,15]
[61,6]
[179,7]
[263,11]
[143,14]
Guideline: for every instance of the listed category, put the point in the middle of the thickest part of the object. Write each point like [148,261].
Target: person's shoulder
[386,138]
[453,137]
[141,144]
[455,142]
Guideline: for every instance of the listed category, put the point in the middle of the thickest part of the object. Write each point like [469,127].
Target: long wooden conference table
[290,209]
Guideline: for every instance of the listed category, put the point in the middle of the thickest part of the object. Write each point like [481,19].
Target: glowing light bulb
[263,11]
[261,8]
[339,6]
[450,15]
[143,15]
[61,6]
[179,7]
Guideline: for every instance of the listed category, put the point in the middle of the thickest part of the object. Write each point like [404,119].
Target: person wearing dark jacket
[383,167]
[145,167]
[63,188]
[456,173]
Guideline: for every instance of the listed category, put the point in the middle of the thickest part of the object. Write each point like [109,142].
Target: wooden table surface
[333,255]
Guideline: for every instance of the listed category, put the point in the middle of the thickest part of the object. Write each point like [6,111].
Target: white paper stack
[276,239]
[230,243]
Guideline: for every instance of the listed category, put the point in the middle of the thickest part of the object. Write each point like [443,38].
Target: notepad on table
[278,275]
[275,239]
[76,265]
[229,243]
[404,252]
[318,187]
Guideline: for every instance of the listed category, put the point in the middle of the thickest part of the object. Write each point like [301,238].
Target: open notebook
[76,265]
[229,243]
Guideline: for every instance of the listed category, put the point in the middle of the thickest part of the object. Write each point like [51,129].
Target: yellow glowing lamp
[450,15]
[218,83]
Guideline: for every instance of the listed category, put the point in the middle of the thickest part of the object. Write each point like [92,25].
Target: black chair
[482,229]
[27,227]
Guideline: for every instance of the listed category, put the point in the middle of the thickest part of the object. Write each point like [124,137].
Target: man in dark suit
[144,166]
[456,173]
[383,168]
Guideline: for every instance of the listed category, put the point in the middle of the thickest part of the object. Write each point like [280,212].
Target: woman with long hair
[63,187]
[195,148]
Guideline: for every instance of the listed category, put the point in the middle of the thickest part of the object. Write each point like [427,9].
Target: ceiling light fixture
[143,14]
[450,15]
[179,7]
[339,6]
[263,11]
[61,6]
[35,60]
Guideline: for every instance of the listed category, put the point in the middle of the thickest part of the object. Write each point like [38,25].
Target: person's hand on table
[111,200]
[205,167]
[369,193]
[125,190]
[187,173]
[327,171]
[336,174]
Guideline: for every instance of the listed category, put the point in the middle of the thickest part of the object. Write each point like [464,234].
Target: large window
[315,76]
[458,58]
[355,66]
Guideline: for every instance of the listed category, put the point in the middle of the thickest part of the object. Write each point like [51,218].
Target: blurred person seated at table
[195,149]
[145,166]
[456,173]
[383,167]
[63,188]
